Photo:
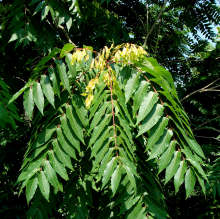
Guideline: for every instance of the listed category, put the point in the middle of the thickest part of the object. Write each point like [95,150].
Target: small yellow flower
[88,100]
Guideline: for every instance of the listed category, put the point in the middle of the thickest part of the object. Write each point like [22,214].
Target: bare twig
[155,23]
[203,89]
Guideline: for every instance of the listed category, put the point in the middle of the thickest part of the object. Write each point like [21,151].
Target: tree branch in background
[204,89]
[155,23]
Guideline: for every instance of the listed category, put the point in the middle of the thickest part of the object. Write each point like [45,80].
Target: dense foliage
[103,134]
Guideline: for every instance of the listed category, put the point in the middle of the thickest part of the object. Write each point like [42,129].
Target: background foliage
[31,30]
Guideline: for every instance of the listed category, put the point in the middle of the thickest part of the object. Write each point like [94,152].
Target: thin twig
[155,23]
[203,89]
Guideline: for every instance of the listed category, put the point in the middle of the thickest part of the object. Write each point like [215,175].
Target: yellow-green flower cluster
[79,55]
[129,54]
[89,91]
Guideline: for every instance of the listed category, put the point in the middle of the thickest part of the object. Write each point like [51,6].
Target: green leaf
[166,157]
[51,176]
[131,85]
[156,132]
[73,122]
[68,133]
[31,188]
[139,95]
[99,143]
[105,160]
[98,116]
[161,145]
[68,47]
[44,185]
[29,103]
[71,67]
[66,146]
[179,176]
[63,76]
[108,171]
[61,155]
[18,93]
[69,23]
[130,176]
[44,12]
[198,167]
[58,167]
[138,212]
[190,181]
[196,147]
[47,89]
[53,78]
[98,129]
[115,179]
[38,97]
[44,136]
[147,105]
[151,119]
[173,166]
[202,184]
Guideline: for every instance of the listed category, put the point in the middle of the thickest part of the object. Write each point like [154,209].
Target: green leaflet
[47,89]
[131,85]
[156,132]
[195,147]
[68,133]
[202,184]
[98,115]
[29,103]
[147,105]
[38,96]
[71,67]
[105,160]
[108,171]
[121,102]
[197,166]
[151,119]
[55,83]
[57,166]
[74,123]
[131,176]
[166,157]
[61,155]
[116,178]
[139,95]
[138,212]
[98,129]
[44,185]
[44,136]
[63,76]
[31,188]
[99,143]
[191,142]
[130,202]
[18,93]
[51,176]
[65,144]
[162,144]
[68,47]
[124,124]
[179,176]
[81,111]
[173,166]
[190,181]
